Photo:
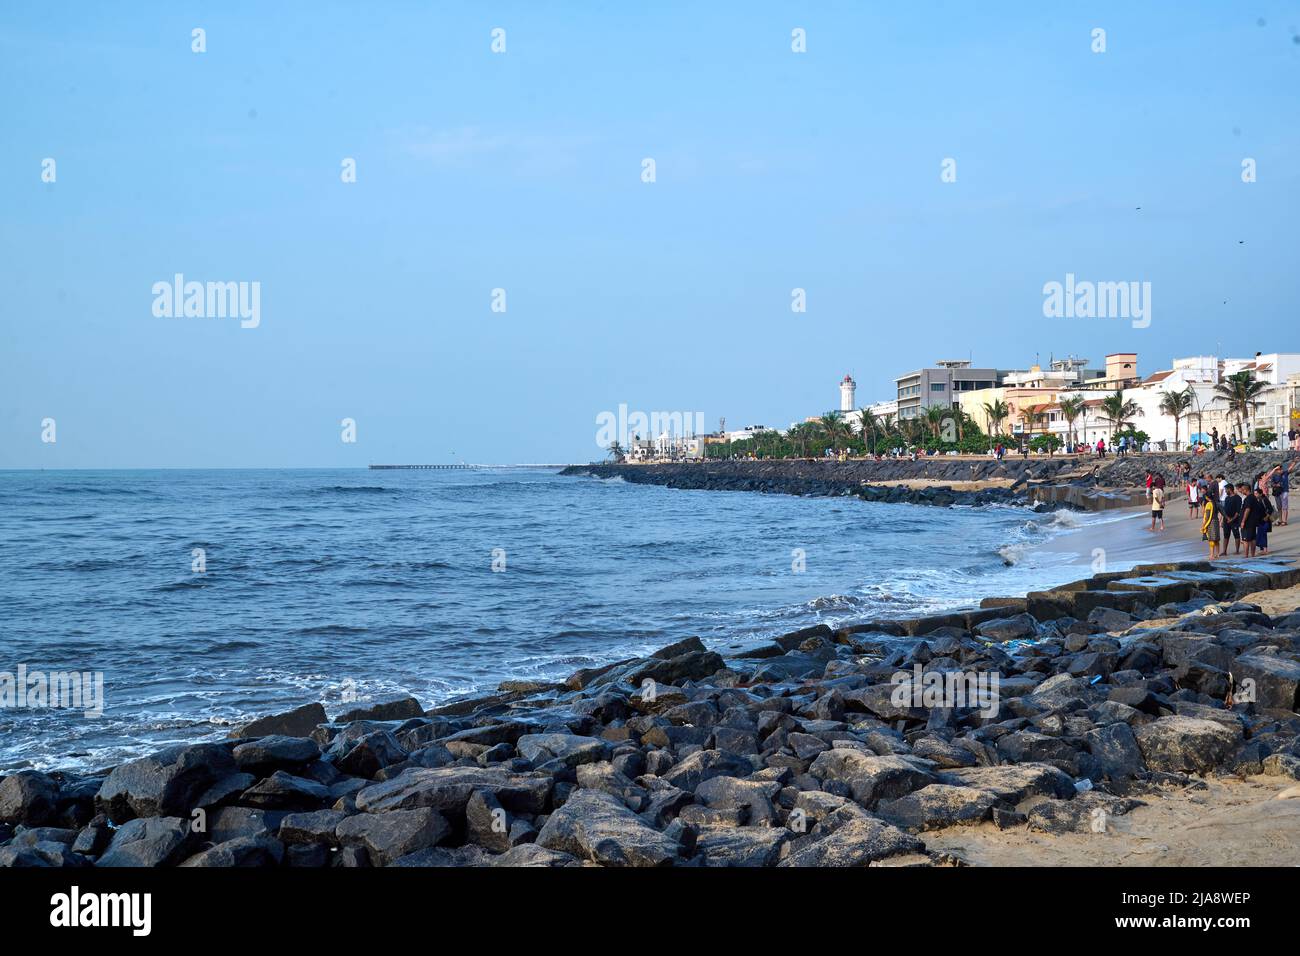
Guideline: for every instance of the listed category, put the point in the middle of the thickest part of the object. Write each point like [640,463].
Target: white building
[667,447]
[1208,413]
[1060,374]
[749,431]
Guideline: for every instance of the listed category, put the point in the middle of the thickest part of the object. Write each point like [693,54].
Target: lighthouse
[847,389]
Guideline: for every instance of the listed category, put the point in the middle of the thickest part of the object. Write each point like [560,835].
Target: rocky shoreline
[811,751]
[1042,483]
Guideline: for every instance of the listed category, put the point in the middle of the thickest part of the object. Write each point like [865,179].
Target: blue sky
[522,171]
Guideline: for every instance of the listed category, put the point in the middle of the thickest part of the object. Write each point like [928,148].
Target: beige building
[1032,396]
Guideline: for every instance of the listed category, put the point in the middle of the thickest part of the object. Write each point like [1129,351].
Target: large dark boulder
[694,769]
[155,841]
[870,778]
[284,791]
[598,827]
[846,839]
[1115,750]
[316,827]
[397,708]
[388,836]
[487,824]
[168,783]
[448,789]
[28,797]
[1012,783]
[693,665]
[372,753]
[231,823]
[1186,744]
[1276,680]
[275,752]
[1087,813]
[241,852]
[1017,627]
[747,846]
[299,722]
[532,855]
[938,805]
[562,750]
[753,797]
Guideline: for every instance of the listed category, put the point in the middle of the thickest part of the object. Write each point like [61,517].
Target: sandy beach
[1127,540]
[1253,821]
[916,484]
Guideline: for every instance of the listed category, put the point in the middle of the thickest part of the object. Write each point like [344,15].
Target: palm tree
[1118,412]
[616,452]
[995,414]
[867,426]
[1240,392]
[1071,409]
[1029,417]
[832,426]
[934,418]
[799,435]
[1176,405]
[964,421]
[773,440]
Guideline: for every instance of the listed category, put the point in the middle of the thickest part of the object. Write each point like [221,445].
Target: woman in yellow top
[1210,525]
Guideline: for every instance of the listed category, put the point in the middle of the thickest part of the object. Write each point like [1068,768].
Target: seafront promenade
[1081,482]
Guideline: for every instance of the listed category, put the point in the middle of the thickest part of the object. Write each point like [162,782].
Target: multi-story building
[1208,414]
[749,431]
[942,384]
[1031,395]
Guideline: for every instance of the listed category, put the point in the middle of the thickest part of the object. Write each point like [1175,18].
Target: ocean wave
[837,602]
[221,647]
[1012,554]
[1064,518]
[181,586]
[101,490]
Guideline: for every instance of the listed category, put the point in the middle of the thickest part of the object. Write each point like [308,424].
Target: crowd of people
[1229,512]
[1123,446]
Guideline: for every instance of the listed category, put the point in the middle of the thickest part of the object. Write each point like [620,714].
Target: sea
[201,599]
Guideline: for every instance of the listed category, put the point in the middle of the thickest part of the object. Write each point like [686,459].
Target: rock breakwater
[816,750]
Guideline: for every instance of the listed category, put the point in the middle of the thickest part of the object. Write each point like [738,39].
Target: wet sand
[1126,540]
[916,484]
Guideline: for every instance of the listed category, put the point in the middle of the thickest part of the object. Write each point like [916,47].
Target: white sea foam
[1012,554]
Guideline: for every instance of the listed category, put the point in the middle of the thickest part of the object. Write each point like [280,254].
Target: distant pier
[419,467]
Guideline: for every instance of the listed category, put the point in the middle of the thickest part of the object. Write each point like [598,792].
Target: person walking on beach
[1266,523]
[1252,515]
[1231,513]
[1191,498]
[1101,448]
[1157,508]
[1280,486]
[1210,526]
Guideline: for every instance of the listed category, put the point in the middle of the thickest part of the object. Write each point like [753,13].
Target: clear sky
[522,171]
